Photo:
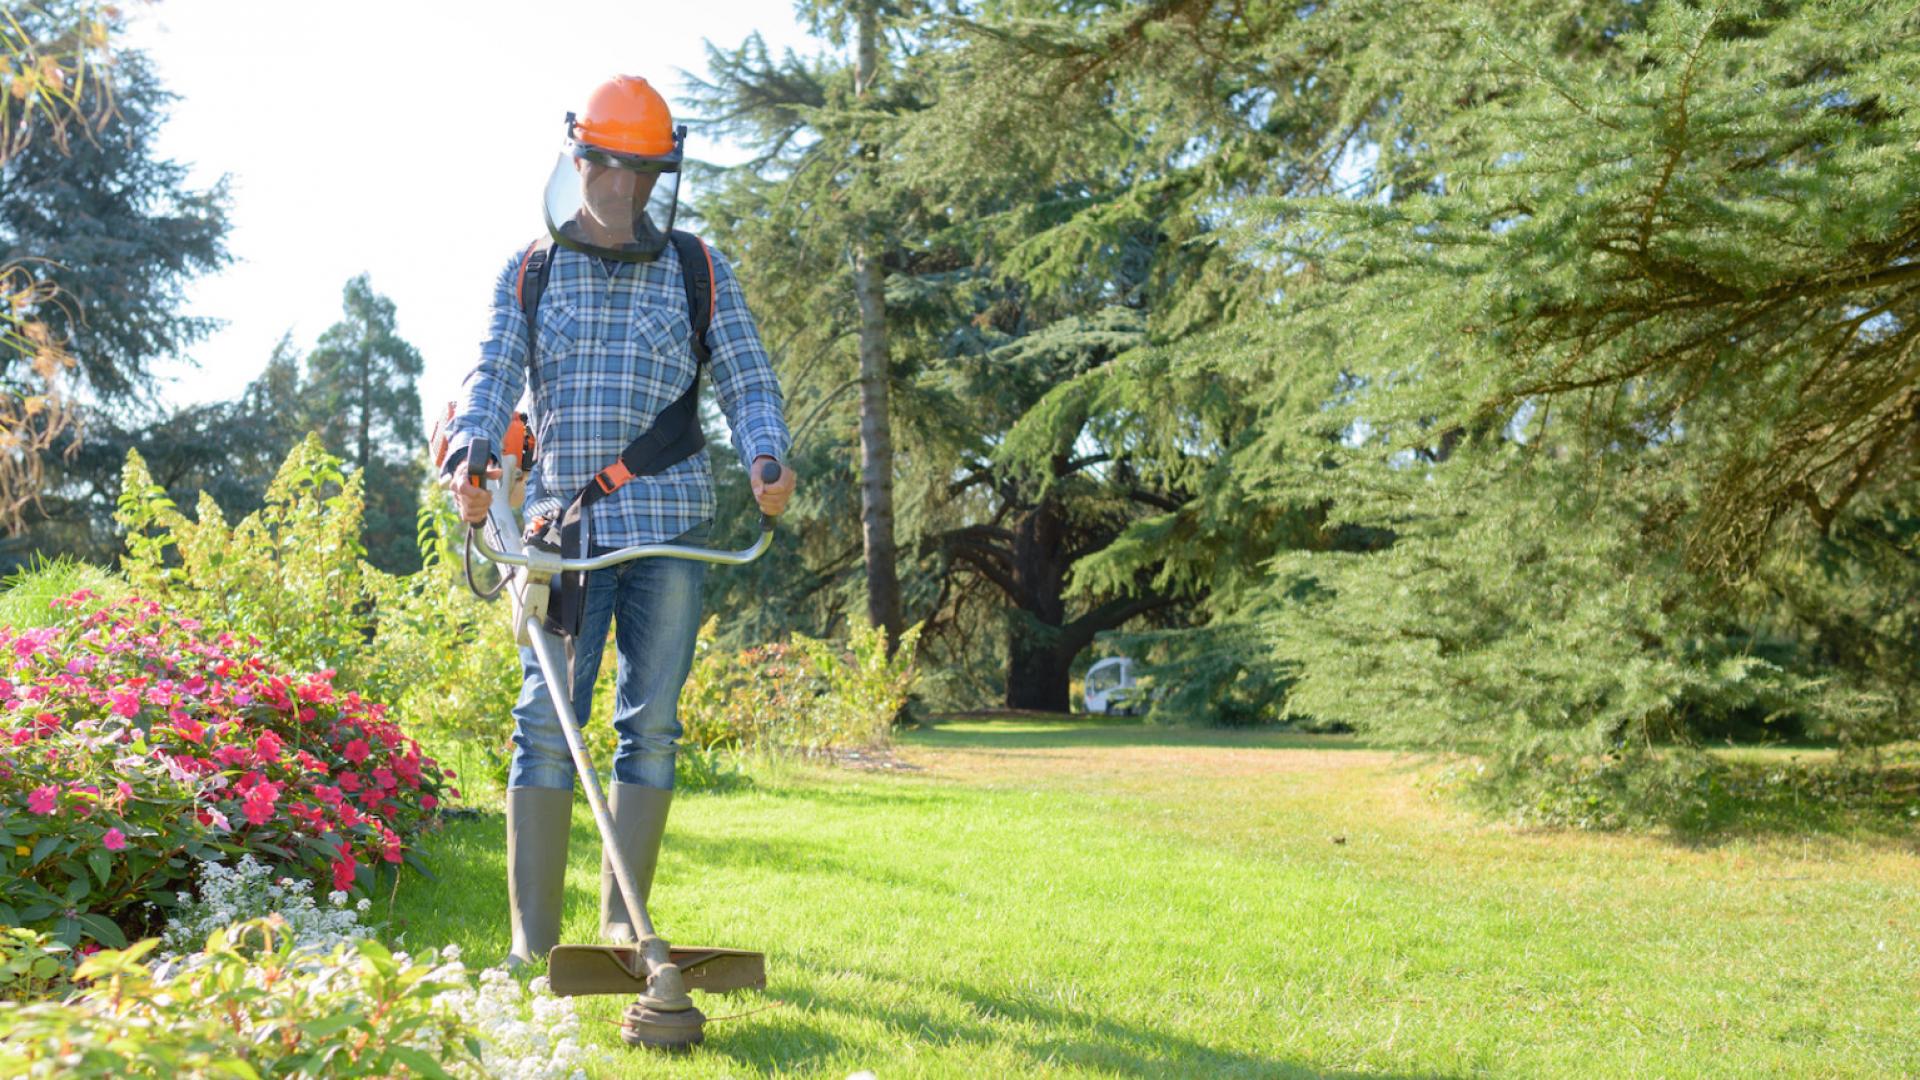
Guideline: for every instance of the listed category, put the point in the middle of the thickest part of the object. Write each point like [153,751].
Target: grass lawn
[1058,898]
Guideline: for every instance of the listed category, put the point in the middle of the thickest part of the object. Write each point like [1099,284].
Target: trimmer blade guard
[618,969]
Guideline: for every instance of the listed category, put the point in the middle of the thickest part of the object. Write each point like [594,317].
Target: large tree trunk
[1038,674]
[1042,642]
[1036,661]
[876,425]
[366,410]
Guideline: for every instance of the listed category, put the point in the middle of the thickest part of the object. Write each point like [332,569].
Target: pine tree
[361,389]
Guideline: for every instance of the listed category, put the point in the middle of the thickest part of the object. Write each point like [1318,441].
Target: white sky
[408,139]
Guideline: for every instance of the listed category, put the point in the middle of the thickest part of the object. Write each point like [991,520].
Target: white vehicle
[1109,688]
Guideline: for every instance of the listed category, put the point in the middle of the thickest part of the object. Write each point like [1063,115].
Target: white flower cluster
[526,1032]
[248,890]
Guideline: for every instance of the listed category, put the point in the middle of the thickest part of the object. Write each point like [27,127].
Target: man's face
[616,198]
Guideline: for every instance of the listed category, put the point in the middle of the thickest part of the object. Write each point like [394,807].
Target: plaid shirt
[614,351]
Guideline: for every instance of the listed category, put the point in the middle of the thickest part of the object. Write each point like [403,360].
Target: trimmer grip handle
[479,453]
[769,474]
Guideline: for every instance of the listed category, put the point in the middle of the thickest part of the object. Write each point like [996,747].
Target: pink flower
[356,752]
[268,746]
[190,729]
[428,802]
[6,689]
[349,782]
[384,778]
[114,840]
[41,799]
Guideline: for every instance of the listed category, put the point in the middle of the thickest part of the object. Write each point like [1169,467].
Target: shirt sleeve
[493,386]
[749,392]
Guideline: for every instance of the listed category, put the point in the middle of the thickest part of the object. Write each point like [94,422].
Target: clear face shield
[613,205]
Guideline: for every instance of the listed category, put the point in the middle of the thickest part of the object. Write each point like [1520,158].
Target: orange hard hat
[626,116]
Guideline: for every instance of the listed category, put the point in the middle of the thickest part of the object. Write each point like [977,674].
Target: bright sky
[408,139]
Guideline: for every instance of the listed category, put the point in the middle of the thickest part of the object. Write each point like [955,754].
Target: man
[613,351]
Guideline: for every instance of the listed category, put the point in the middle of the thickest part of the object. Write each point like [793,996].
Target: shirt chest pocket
[658,364]
[557,337]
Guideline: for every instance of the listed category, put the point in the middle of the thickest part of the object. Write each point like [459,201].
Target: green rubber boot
[639,822]
[538,820]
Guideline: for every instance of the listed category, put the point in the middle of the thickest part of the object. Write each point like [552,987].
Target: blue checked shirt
[615,349]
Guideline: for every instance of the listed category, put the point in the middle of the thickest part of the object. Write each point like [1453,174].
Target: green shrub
[808,696]
[293,574]
[33,964]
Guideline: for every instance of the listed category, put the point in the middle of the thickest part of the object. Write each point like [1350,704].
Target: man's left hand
[771,497]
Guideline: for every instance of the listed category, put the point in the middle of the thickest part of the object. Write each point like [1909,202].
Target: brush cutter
[662,1016]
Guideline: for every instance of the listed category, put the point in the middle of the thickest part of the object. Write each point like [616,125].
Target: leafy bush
[809,695]
[293,574]
[256,1003]
[139,742]
[33,964]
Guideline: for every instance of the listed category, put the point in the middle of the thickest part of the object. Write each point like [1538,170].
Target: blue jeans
[654,607]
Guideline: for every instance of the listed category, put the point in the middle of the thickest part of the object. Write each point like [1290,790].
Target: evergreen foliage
[111,233]
[1532,377]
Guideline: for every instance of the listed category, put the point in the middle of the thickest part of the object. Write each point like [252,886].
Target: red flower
[349,781]
[268,746]
[259,802]
[357,752]
[189,729]
[343,868]
[428,802]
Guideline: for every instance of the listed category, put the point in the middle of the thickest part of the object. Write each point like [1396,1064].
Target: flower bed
[257,1001]
[136,742]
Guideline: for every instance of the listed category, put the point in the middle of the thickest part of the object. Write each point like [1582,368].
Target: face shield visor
[610,204]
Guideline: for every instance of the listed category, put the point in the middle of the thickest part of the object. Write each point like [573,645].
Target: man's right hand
[473,502]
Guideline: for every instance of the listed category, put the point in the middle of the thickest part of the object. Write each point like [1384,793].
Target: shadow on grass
[1046,1035]
[1039,731]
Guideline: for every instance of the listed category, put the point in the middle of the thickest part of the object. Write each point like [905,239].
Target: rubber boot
[538,820]
[639,821]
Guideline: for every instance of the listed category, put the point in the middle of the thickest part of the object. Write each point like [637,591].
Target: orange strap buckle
[611,477]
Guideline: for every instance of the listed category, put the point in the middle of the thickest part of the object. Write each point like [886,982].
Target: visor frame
[667,168]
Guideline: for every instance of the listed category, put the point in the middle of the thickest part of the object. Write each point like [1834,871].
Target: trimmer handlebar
[480,449]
